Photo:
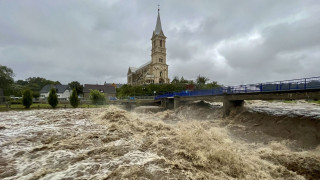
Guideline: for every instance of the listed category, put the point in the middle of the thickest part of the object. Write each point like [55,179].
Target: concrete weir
[228,105]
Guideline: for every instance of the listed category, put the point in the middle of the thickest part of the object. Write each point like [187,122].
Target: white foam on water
[115,144]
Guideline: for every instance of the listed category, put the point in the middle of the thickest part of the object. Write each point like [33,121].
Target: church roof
[158,29]
[59,88]
[145,64]
[133,69]
[106,88]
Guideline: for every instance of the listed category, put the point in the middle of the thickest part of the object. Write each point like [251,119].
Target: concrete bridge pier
[164,103]
[176,102]
[167,103]
[129,106]
[229,105]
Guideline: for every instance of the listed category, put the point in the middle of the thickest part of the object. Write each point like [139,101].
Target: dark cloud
[96,41]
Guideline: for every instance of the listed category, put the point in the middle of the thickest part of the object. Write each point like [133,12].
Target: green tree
[202,79]
[6,78]
[76,85]
[27,98]
[74,100]
[213,84]
[37,83]
[182,80]
[53,99]
[22,82]
[36,94]
[15,90]
[97,97]
[175,80]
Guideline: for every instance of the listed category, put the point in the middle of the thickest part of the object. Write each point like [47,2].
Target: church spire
[158,29]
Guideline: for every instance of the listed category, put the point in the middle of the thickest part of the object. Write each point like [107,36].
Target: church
[156,70]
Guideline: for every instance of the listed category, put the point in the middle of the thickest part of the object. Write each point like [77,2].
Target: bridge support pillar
[176,102]
[129,106]
[229,105]
[164,103]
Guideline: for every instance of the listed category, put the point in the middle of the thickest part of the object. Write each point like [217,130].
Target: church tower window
[160,43]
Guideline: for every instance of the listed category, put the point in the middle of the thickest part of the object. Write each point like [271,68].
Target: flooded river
[264,141]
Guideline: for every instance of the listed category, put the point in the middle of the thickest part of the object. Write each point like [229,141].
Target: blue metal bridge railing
[286,85]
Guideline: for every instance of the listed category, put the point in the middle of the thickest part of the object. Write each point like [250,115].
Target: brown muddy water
[264,141]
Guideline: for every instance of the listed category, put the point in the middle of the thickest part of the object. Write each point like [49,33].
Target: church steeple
[158,51]
[158,29]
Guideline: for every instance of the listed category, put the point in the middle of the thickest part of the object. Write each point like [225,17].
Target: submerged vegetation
[97,97]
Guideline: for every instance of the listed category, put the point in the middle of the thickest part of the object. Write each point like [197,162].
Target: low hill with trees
[16,88]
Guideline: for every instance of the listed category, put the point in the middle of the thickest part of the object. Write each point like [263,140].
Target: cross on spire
[158,29]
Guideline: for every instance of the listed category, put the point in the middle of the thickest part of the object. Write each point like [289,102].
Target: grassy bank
[3,107]
[316,102]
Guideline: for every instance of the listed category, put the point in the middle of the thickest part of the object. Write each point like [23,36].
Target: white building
[63,91]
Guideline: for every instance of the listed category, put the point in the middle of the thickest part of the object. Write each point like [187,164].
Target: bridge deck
[279,95]
[305,88]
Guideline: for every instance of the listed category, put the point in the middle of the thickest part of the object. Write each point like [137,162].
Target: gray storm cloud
[96,41]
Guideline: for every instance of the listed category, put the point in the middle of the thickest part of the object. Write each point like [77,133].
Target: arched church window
[160,60]
[160,43]
[160,73]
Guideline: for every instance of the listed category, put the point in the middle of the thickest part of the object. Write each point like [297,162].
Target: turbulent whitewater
[262,141]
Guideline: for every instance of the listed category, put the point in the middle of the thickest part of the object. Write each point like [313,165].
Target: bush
[74,100]
[53,99]
[36,94]
[27,98]
[97,97]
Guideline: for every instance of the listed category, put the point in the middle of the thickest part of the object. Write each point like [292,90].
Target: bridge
[234,96]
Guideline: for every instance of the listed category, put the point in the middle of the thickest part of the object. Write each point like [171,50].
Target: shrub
[74,100]
[53,99]
[97,97]
[27,98]
[36,94]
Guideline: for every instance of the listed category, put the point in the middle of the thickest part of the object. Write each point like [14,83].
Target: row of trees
[96,97]
[177,85]
[201,82]
[52,98]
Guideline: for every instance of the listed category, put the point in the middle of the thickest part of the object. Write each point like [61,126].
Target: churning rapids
[263,141]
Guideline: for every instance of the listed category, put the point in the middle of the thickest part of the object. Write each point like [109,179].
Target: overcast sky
[232,42]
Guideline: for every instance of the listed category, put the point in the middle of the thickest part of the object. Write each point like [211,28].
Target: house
[107,89]
[116,85]
[63,91]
